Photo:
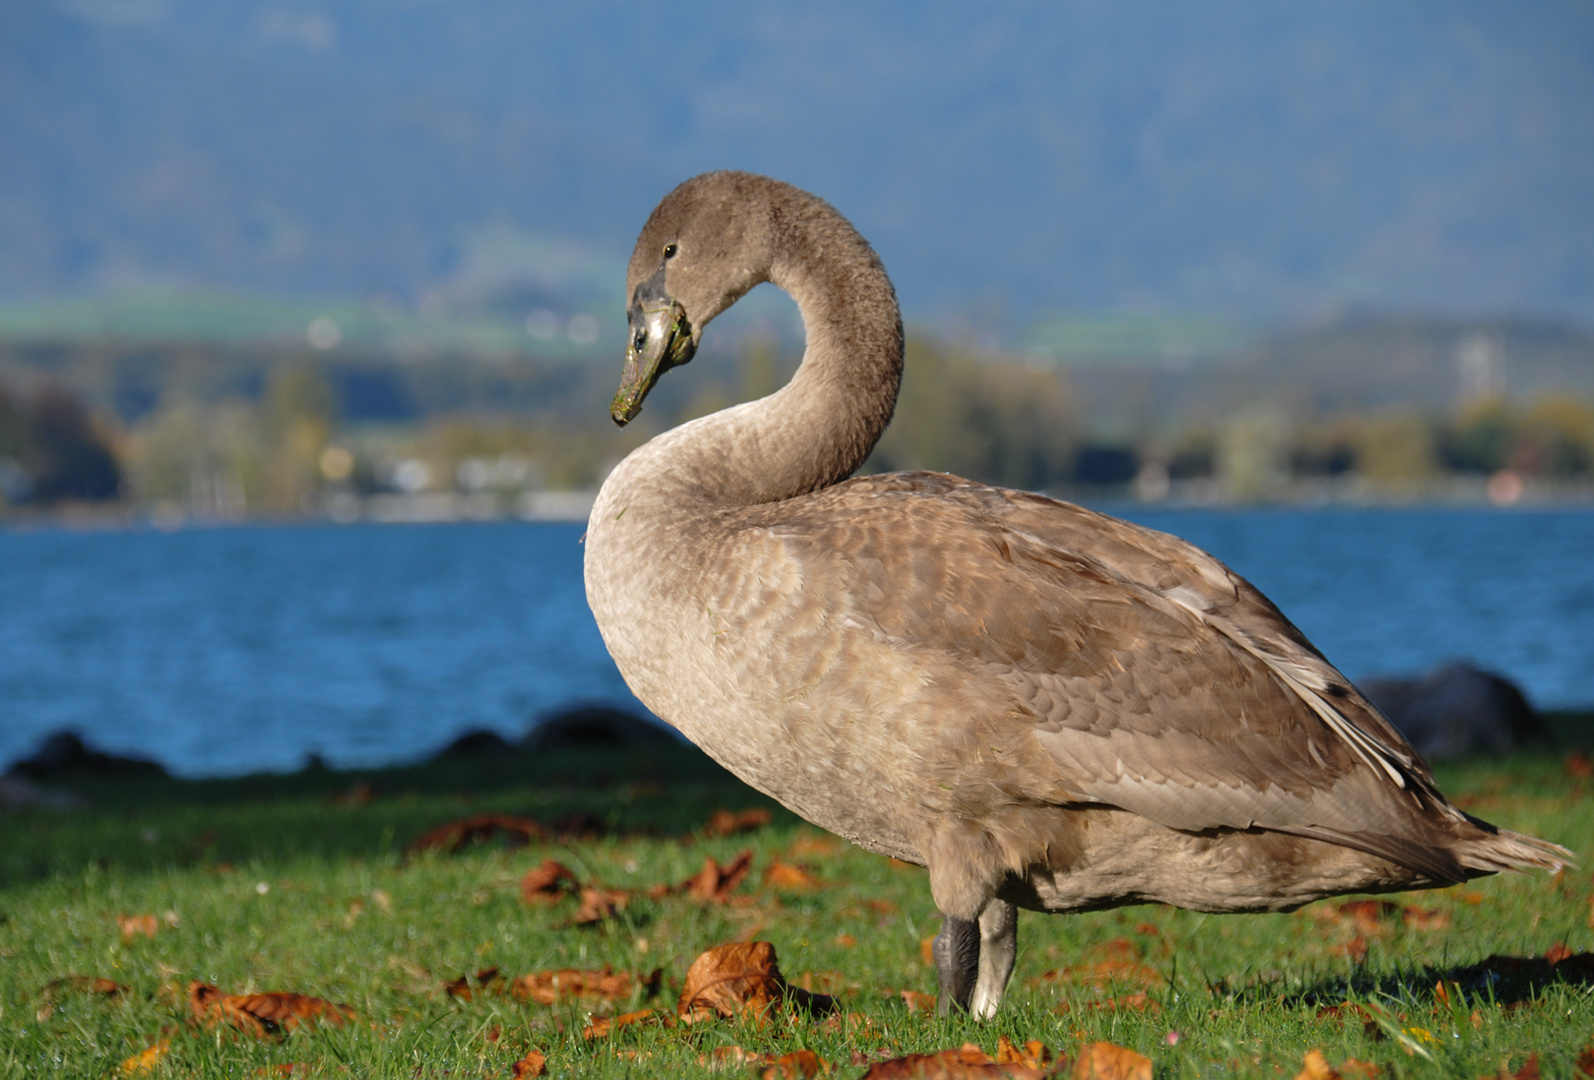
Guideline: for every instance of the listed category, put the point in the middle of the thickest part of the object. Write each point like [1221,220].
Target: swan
[1046,707]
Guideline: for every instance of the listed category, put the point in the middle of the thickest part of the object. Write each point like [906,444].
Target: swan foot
[974,960]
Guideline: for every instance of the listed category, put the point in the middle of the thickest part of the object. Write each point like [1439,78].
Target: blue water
[224,651]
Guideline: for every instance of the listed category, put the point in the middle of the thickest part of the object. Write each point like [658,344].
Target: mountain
[1255,162]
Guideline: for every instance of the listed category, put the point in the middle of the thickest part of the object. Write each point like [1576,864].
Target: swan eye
[669,251]
[641,339]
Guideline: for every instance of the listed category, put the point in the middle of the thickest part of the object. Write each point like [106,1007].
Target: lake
[232,650]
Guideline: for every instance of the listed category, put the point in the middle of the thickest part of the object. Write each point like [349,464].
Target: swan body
[1047,707]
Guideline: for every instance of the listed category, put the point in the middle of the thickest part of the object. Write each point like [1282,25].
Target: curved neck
[819,428]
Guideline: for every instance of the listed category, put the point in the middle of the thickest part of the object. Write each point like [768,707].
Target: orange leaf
[1355,949]
[1358,1070]
[967,1061]
[533,1064]
[134,925]
[1104,1061]
[547,987]
[600,1028]
[1368,915]
[1528,1071]
[546,883]
[788,876]
[798,1065]
[817,845]
[1578,765]
[461,987]
[1033,1054]
[260,1014]
[84,984]
[1584,1065]
[1316,1067]
[1558,952]
[919,1003]
[456,836]
[598,905]
[145,1060]
[715,883]
[1133,1002]
[726,823]
[1425,918]
[741,977]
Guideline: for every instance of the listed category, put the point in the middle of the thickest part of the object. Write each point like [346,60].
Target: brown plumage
[1047,707]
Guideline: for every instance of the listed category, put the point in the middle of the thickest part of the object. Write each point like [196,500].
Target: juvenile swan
[1046,707]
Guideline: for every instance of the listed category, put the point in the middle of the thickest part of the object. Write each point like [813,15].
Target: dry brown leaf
[1558,952]
[601,1027]
[729,823]
[966,1062]
[134,925]
[714,883]
[741,977]
[1370,916]
[882,907]
[1578,765]
[728,980]
[462,988]
[598,905]
[260,1014]
[1105,1061]
[927,954]
[548,987]
[145,1060]
[918,1003]
[789,877]
[798,1065]
[533,1064]
[814,845]
[1316,1067]
[846,941]
[1528,1071]
[1355,949]
[1352,1069]
[1584,1065]
[83,984]
[456,836]
[1032,1054]
[1417,918]
[547,883]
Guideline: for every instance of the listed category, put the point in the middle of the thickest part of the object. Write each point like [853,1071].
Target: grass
[289,883]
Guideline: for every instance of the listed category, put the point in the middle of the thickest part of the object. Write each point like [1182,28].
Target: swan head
[704,246]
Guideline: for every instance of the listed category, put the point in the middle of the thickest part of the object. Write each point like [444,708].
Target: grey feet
[974,960]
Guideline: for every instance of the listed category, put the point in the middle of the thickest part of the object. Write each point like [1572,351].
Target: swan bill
[661,338]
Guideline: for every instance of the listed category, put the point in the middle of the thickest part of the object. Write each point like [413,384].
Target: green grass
[275,884]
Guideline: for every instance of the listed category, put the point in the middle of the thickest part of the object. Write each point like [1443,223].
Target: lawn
[310,884]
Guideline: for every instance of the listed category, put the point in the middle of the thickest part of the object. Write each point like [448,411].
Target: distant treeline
[1366,410]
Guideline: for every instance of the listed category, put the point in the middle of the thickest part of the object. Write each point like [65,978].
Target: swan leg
[998,949]
[957,962]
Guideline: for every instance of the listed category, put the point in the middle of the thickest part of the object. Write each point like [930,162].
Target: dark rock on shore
[64,756]
[1459,709]
[595,726]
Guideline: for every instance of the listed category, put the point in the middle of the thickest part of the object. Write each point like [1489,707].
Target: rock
[64,756]
[595,726]
[1458,709]
[479,743]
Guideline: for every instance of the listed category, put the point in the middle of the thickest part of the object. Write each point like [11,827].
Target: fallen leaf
[918,1003]
[729,980]
[818,845]
[547,883]
[1355,949]
[456,836]
[1584,1065]
[882,907]
[1425,918]
[1139,1002]
[1032,1054]
[846,941]
[1369,915]
[1352,1069]
[727,823]
[83,984]
[927,953]
[714,883]
[260,1014]
[134,925]
[533,1064]
[967,1061]
[145,1060]
[548,987]
[798,1065]
[1105,1061]
[1578,765]
[789,877]
[1558,952]
[600,1028]
[1316,1067]
[1528,1071]
[598,905]
[461,987]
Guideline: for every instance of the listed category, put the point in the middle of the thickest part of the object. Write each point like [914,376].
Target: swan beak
[661,338]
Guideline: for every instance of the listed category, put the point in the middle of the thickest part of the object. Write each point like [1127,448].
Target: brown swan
[1047,707]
